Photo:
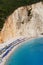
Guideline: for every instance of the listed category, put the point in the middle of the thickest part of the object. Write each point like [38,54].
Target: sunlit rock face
[25,21]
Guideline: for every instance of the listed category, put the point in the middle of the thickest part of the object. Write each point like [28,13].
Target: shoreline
[15,47]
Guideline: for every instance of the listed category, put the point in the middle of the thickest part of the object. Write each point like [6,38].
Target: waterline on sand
[32,50]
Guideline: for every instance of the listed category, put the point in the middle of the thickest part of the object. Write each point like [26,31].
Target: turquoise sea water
[30,53]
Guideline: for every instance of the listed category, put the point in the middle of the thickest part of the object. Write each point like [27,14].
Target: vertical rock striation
[25,21]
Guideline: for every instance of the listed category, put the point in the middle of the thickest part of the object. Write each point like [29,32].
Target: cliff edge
[24,21]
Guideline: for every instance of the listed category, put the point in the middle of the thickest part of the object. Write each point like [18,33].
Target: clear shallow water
[30,53]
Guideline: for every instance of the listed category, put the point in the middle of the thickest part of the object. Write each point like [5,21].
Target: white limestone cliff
[25,21]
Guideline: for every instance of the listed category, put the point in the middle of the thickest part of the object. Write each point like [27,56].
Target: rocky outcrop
[25,21]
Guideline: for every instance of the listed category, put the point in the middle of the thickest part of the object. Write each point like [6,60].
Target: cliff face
[25,21]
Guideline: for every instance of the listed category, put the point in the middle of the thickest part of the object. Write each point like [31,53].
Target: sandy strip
[9,54]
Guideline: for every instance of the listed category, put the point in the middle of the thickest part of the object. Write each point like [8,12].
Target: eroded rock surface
[25,21]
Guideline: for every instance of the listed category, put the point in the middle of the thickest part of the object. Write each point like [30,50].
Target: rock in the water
[25,21]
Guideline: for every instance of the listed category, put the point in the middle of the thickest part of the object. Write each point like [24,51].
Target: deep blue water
[30,53]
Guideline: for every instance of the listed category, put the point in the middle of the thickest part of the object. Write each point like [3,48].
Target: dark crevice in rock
[29,12]
[41,33]
[22,22]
